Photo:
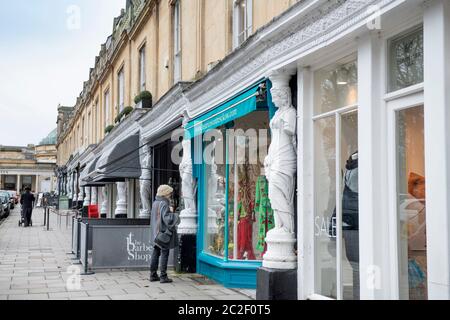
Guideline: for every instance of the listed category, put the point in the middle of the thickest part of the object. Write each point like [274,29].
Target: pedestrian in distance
[163,223]
[27,200]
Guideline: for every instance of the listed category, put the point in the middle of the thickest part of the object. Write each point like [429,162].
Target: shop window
[411,199]
[239,212]
[336,205]
[406,60]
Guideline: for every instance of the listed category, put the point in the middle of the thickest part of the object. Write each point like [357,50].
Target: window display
[406,60]
[411,195]
[239,211]
[336,220]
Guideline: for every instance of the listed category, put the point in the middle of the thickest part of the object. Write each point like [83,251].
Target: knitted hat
[164,191]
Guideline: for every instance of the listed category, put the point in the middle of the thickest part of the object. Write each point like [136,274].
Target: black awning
[119,162]
[85,175]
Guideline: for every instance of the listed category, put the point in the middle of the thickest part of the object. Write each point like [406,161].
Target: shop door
[408,197]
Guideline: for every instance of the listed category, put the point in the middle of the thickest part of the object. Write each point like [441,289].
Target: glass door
[409,200]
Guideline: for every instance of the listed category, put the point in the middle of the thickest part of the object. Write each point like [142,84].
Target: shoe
[154,277]
[166,280]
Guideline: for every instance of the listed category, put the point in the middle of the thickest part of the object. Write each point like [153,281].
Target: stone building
[355,94]
[31,166]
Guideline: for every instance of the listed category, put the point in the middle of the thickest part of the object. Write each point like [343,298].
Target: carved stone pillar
[281,166]
[121,204]
[187,229]
[279,271]
[145,183]
[93,195]
[188,216]
[87,196]
[104,207]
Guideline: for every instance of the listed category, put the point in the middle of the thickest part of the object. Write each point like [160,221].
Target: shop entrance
[165,171]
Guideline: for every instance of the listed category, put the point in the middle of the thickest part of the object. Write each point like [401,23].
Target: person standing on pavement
[27,200]
[163,220]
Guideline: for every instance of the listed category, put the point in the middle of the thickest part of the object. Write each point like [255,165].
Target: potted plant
[146,98]
[108,129]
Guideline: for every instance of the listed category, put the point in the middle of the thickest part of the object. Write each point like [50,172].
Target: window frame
[176,41]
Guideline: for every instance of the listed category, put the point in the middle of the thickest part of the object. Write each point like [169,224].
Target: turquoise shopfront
[229,146]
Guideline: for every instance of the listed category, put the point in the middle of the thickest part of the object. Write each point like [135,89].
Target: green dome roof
[50,139]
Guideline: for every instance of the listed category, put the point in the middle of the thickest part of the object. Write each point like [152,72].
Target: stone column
[145,183]
[94,199]
[18,186]
[104,207]
[437,146]
[188,216]
[121,204]
[37,189]
[187,229]
[87,196]
[279,271]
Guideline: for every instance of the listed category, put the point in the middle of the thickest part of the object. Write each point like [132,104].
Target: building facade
[350,100]
[31,166]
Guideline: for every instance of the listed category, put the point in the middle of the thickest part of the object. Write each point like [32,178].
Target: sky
[46,50]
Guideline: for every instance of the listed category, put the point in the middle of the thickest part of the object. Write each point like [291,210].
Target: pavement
[35,264]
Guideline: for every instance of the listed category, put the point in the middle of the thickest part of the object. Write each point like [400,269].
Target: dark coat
[169,220]
[27,200]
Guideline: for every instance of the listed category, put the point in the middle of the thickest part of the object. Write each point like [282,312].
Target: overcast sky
[46,50]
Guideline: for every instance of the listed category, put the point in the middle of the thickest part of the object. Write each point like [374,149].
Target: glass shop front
[234,209]
[336,182]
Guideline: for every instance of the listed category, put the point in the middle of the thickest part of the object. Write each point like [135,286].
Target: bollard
[48,219]
[45,218]
[86,257]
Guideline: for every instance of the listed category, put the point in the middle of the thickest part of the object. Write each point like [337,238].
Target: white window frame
[240,35]
[142,67]
[401,100]
[176,41]
[106,105]
[121,89]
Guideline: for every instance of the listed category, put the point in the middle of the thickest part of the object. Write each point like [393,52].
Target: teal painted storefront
[230,273]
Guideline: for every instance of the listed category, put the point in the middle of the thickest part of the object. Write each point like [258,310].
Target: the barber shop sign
[138,250]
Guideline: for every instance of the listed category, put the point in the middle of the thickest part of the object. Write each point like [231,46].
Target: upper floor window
[242,21]
[121,90]
[142,78]
[176,41]
[107,108]
[88,129]
[406,59]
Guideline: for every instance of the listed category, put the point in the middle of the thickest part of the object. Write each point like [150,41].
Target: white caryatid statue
[87,196]
[280,168]
[145,183]
[104,207]
[69,186]
[214,205]
[188,216]
[121,204]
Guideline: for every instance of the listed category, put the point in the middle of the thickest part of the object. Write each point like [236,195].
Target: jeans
[164,253]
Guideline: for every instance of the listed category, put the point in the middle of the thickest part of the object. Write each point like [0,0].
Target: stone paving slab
[34,266]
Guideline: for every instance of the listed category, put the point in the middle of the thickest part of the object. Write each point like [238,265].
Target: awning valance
[236,107]
[120,162]
[85,179]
